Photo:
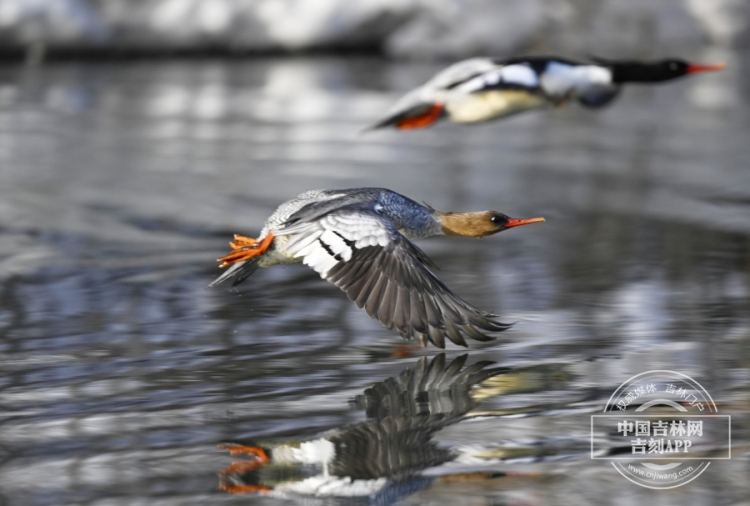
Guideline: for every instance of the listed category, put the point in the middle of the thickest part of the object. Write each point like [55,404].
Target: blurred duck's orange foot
[234,471]
[243,489]
[241,240]
[256,451]
[245,248]
[423,120]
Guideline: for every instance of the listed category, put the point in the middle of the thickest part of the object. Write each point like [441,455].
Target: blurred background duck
[483,89]
[360,240]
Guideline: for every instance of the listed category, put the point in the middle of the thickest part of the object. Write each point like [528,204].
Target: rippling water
[121,373]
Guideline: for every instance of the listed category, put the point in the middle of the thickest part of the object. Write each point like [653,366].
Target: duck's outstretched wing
[363,254]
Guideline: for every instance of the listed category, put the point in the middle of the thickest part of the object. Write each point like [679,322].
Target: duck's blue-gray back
[409,217]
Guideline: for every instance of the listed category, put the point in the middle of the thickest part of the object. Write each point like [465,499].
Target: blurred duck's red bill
[517,222]
[692,68]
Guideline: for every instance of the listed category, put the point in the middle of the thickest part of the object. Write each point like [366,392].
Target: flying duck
[482,89]
[360,240]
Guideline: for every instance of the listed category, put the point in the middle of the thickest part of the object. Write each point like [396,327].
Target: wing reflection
[380,459]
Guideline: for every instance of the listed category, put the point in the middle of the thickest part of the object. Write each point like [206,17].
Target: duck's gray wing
[335,200]
[362,253]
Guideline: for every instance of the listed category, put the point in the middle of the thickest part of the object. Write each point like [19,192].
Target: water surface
[120,183]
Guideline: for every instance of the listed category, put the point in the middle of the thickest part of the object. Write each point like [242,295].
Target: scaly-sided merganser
[481,89]
[359,240]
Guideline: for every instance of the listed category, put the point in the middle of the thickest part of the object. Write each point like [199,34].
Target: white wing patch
[519,75]
[323,244]
[302,244]
[320,259]
[337,245]
[560,78]
[365,230]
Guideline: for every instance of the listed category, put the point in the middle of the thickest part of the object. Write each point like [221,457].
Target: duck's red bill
[517,222]
[692,68]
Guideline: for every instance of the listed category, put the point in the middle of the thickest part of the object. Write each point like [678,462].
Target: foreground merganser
[360,240]
[482,89]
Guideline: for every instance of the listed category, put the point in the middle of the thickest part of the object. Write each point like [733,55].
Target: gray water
[121,183]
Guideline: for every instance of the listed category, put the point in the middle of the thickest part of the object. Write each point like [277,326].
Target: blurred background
[137,136]
[395,28]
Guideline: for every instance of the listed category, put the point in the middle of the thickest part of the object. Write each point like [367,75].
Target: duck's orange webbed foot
[245,248]
[255,451]
[239,468]
[236,469]
[243,489]
[423,120]
[241,240]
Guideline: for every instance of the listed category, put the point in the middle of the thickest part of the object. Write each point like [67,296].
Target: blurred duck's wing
[362,253]
[423,106]
[461,72]
[518,76]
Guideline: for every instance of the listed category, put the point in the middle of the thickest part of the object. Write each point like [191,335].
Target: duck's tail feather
[239,271]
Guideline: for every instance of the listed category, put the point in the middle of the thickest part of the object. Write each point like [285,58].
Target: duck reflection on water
[382,459]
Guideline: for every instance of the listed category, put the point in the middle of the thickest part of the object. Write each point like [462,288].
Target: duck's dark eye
[497,220]
[672,66]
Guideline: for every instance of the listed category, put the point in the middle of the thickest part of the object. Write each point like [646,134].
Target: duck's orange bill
[245,248]
[692,68]
[423,120]
[513,222]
